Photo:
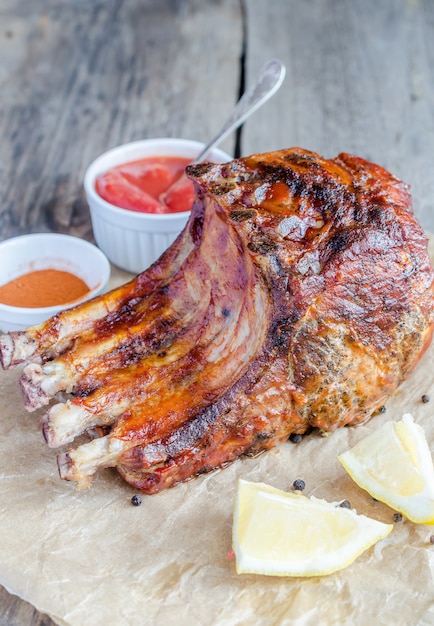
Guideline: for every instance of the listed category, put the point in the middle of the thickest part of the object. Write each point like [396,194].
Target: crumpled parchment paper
[91,557]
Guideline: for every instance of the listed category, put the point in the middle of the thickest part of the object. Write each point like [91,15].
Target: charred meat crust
[299,295]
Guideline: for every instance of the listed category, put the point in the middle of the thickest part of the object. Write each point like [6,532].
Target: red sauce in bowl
[142,185]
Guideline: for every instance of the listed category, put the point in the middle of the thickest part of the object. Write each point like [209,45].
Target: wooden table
[77,78]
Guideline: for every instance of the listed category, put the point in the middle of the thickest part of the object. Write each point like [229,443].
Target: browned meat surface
[299,295]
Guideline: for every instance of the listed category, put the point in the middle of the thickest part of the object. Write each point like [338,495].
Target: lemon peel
[394,464]
[278,533]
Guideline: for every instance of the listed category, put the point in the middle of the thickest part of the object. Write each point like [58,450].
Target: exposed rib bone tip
[49,433]
[63,422]
[16,347]
[45,429]
[31,387]
[81,463]
[65,465]
[6,351]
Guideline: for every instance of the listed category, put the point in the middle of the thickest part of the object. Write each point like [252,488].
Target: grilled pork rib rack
[299,295]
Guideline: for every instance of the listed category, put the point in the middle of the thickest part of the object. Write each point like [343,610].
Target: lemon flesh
[395,466]
[287,534]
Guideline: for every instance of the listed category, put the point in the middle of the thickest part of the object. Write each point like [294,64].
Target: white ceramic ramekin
[29,253]
[130,239]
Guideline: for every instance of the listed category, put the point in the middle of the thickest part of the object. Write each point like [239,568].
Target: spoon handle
[267,83]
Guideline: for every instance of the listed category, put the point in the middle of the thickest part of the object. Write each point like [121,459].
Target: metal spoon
[267,83]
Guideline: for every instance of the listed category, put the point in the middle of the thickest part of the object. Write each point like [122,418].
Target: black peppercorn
[136,500]
[345,504]
[397,517]
[299,484]
[425,398]
[382,409]
[295,437]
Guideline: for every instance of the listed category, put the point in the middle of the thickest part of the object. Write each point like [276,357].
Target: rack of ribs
[298,297]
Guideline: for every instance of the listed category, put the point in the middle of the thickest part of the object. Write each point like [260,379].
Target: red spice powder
[43,288]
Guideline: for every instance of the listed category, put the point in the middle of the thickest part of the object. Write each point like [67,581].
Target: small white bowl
[134,240]
[29,253]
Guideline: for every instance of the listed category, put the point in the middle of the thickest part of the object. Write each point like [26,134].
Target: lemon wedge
[395,466]
[287,534]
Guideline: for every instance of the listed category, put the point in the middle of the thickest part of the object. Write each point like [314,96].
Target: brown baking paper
[91,557]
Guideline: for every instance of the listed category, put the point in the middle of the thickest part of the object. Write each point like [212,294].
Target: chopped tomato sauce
[142,185]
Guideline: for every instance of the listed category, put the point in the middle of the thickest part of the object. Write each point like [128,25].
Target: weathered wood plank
[360,79]
[15,612]
[77,78]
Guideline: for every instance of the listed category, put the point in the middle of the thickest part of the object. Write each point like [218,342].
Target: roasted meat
[299,296]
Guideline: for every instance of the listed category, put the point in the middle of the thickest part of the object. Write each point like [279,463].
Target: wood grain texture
[16,612]
[360,79]
[78,78]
